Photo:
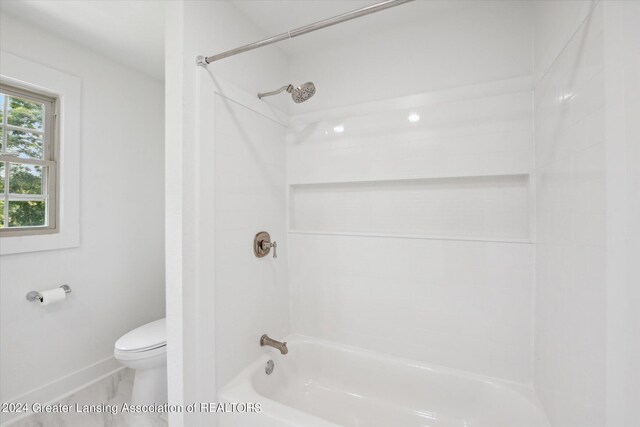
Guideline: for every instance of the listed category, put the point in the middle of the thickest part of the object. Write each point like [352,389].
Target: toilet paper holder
[35,295]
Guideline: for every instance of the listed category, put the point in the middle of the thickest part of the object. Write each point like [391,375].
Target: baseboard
[62,387]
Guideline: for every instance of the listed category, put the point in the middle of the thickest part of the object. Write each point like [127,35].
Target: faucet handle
[266,245]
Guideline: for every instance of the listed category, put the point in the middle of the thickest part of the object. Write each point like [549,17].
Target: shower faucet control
[262,245]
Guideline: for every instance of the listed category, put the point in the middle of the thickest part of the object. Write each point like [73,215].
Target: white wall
[570,320]
[374,209]
[204,28]
[622,79]
[117,272]
[446,46]
[252,294]
[586,118]
[556,22]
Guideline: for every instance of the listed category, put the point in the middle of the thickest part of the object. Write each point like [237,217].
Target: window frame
[28,74]
[50,134]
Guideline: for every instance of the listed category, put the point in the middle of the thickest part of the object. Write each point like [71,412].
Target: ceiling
[278,16]
[132,32]
[112,28]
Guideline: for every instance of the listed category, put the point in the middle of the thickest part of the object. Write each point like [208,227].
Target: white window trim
[20,72]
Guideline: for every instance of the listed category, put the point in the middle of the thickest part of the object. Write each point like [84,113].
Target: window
[28,169]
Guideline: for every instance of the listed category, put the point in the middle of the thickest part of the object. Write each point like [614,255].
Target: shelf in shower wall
[477,208]
[414,236]
[409,179]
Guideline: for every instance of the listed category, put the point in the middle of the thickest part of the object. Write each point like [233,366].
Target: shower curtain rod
[203,61]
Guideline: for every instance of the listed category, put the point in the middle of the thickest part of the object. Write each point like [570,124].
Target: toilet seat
[125,355]
[144,339]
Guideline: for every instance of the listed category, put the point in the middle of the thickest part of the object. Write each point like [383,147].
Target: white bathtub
[322,384]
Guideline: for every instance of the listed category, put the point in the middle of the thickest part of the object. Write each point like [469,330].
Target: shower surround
[417,233]
[404,198]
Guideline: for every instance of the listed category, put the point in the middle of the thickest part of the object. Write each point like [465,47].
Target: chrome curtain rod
[203,61]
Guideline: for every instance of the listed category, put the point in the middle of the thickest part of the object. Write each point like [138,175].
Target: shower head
[298,94]
[303,92]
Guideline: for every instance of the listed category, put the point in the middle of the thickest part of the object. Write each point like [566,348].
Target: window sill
[39,242]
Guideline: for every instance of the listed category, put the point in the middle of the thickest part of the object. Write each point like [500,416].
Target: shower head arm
[288,88]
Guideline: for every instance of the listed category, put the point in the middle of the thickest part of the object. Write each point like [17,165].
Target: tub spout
[282,346]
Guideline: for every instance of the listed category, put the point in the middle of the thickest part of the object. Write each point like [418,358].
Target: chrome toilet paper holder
[35,295]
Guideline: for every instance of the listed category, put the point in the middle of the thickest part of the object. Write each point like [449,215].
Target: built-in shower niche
[475,207]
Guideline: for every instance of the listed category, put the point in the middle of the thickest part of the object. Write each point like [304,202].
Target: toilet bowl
[144,349]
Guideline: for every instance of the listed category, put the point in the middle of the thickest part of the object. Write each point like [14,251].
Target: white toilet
[145,350]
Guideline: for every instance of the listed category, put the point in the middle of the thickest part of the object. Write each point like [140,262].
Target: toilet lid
[146,337]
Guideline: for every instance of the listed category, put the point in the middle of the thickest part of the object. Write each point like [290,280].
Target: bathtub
[322,384]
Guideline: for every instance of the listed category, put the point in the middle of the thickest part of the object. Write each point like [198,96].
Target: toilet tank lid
[145,337]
